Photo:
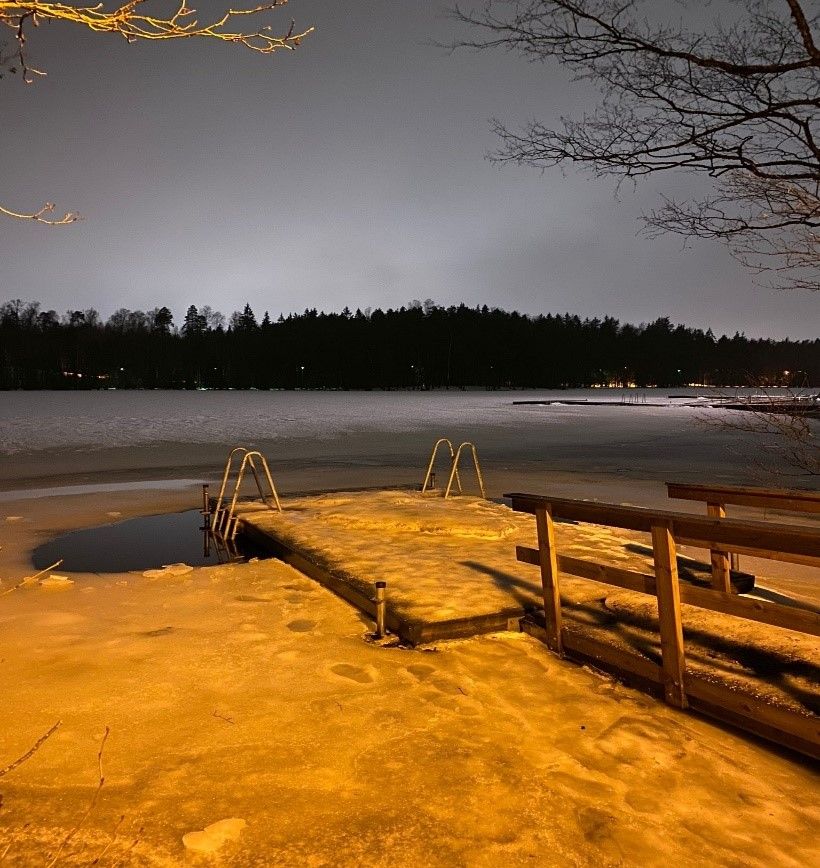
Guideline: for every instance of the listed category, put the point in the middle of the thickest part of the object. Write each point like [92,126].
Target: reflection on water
[148,542]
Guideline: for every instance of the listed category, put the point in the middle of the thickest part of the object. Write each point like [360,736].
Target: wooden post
[669,618]
[721,576]
[380,609]
[548,561]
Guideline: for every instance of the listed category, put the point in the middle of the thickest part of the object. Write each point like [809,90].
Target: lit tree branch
[128,23]
[40,216]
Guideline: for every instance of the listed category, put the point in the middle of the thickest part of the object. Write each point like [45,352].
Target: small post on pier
[206,518]
[381,605]
[206,503]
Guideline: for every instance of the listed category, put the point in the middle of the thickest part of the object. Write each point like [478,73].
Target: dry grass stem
[31,751]
[131,846]
[91,805]
[110,840]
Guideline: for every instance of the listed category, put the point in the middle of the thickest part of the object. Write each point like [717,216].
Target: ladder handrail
[454,471]
[224,526]
[433,459]
[229,525]
[225,475]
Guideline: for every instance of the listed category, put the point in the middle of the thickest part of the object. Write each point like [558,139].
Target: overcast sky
[351,172]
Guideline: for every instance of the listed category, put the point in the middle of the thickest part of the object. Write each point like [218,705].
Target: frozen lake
[43,420]
[123,434]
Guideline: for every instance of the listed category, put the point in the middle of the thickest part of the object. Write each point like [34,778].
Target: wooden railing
[716,498]
[667,529]
[786,499]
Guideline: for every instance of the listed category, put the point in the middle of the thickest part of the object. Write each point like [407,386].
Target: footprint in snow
[161,631]
[354,673]
[421,671]
[301,625]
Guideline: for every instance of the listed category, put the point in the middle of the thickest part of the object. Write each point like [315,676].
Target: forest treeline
[422,345]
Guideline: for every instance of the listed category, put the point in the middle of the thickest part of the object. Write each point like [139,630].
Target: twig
[90,807]
[39,216]
[32,750]
[29,579]
[110,840]
[133,844]
[223,717]
[8,846]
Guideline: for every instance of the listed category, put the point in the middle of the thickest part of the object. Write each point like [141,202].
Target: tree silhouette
[739,103]
[408,348]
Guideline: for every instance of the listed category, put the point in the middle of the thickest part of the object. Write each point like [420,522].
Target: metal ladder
[430,477]
[455,458]
[225,520]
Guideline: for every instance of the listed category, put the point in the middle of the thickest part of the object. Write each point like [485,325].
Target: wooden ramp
[452,572]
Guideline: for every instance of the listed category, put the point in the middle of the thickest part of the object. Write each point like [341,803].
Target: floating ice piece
[212,837]
[54,582]
[177,569]
[168,571]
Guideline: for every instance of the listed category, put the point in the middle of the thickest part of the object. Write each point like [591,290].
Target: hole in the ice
[143,543]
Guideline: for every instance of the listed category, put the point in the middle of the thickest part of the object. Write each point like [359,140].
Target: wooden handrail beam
[767,498]
[787,617]
[765,539]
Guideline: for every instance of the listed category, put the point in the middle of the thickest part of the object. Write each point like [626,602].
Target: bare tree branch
[39,216]
[31,751]
[740,104]
[128,22]
[783,426]
[92,803]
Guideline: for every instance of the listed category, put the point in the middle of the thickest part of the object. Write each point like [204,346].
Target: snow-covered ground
[247,694]
[251,723]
